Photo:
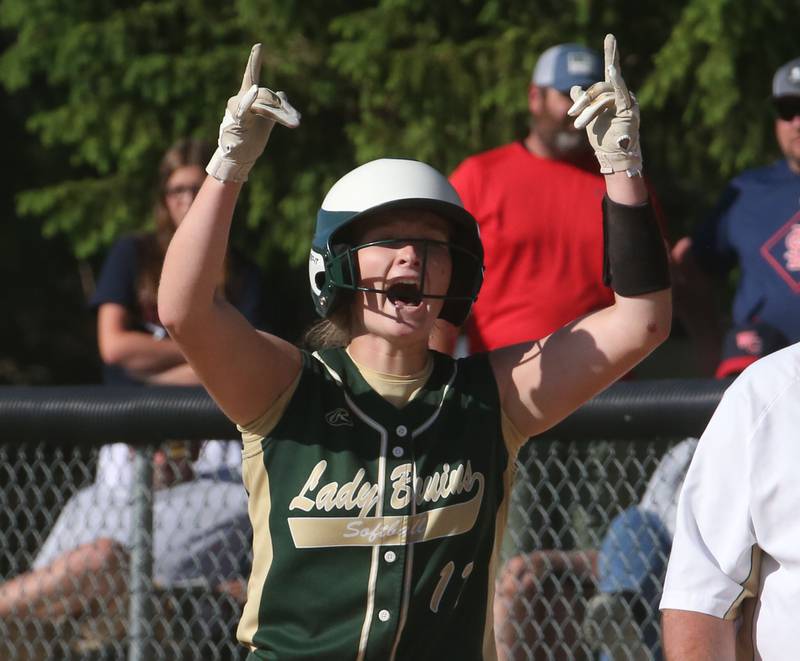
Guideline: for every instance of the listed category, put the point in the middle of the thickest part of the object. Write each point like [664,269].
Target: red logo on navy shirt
[782,252]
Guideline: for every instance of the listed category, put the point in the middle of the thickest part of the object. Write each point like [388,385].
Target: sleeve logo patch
[339,418]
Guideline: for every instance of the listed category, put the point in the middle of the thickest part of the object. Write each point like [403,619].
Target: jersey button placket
[401,432]
[389,598]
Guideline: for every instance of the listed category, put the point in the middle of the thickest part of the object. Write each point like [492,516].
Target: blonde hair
[329,333]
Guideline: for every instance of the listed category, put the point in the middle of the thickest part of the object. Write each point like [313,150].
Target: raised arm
[243,369]
[542,382]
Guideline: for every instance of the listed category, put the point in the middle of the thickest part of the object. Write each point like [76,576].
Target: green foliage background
[102,87]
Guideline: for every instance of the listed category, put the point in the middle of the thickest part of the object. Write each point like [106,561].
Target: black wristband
[635,256]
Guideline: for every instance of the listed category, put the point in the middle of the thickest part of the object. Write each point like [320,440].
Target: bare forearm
[194,262]
[140,353]
[180,375]
[62,587]
[690,636]
[623,189]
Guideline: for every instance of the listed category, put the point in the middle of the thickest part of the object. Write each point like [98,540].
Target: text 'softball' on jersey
[376,529]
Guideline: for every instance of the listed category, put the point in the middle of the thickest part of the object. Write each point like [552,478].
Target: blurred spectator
[200,520]
[756,226]
[731,588]
[537,201]
[622,620]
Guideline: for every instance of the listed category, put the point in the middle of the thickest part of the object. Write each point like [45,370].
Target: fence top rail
[93,415]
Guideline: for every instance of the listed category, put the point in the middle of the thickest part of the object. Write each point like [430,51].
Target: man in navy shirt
[756,225]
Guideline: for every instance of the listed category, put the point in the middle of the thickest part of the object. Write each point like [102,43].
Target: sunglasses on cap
[787,107]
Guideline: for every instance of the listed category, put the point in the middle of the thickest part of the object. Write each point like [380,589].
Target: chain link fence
[123,571]
[79,536]
[583,561]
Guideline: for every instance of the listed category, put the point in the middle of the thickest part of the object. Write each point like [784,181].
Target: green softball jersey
[376,528]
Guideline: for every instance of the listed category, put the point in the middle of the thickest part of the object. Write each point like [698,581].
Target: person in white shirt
[733,579]
[632,559]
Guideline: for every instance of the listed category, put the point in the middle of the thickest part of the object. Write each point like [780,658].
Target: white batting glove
[611,117]
[245,128]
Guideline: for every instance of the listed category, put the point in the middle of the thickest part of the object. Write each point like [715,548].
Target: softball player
[377,470]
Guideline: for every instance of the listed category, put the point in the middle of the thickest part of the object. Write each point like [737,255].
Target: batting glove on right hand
[611,117]
[248,121]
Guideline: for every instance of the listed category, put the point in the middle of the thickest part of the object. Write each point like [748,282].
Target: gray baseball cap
[786,81]
[565,65]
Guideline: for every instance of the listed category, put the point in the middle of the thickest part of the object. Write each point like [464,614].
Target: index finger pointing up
[253,69]
[622,97]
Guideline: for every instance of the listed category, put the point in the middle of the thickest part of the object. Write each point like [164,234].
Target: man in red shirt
[537,202]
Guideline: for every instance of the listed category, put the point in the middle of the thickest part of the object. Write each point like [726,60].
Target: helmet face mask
[380,186]
[343,271]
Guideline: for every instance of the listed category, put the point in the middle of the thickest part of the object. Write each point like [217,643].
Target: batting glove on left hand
[248,121]
[610,114]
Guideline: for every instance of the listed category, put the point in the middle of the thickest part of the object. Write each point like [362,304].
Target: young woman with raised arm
[378,470]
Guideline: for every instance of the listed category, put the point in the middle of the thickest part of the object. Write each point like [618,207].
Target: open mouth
[404,293]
